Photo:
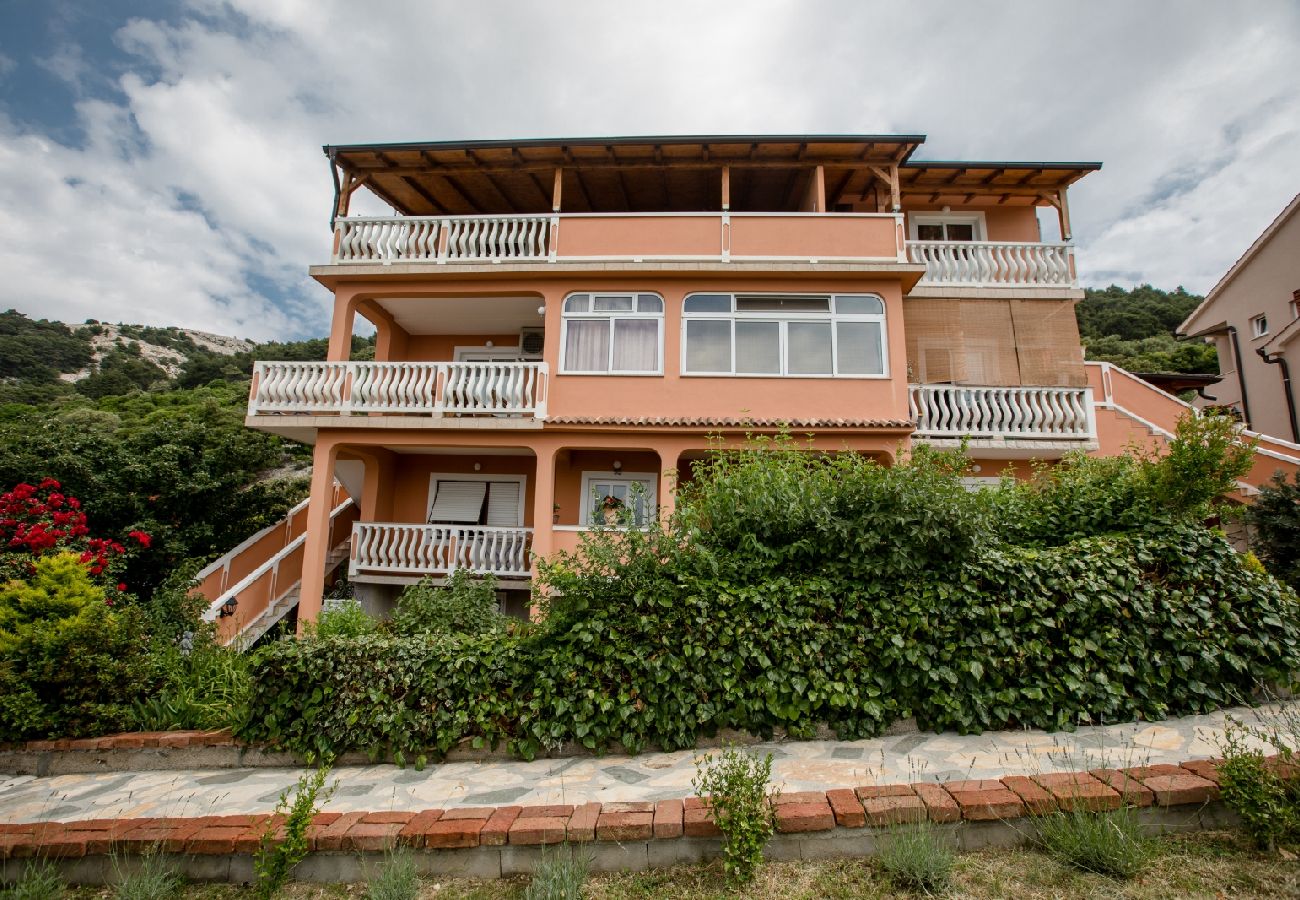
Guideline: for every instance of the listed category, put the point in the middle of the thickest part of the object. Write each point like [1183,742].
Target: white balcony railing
[413,388]
[392,548]
[952,411]
[993,263]
[441,238]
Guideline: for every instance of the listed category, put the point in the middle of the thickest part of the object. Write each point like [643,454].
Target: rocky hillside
[167,348]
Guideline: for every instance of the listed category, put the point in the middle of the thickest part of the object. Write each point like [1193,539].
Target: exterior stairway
[255,585]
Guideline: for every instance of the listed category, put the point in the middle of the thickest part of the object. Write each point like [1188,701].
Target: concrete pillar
[543,507]
[665,492]
[316,547]
[345,315]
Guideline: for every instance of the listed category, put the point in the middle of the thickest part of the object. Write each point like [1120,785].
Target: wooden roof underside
[1007,183]
[659,174]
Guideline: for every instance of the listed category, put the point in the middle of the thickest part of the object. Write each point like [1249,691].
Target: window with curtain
[613,334]
[802,336]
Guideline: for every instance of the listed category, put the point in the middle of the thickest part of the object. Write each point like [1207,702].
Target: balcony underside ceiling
[462,315]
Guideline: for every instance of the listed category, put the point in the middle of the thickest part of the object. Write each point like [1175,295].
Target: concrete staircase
[249,634]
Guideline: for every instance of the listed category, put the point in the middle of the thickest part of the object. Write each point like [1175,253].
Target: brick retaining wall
[502,840]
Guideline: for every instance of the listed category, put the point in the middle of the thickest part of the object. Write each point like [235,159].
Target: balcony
[435,389]
[994,264]
[401,551]
[632,237]
[1004,413]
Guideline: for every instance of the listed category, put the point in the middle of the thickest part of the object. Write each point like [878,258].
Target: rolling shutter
[503,504]
[458,502]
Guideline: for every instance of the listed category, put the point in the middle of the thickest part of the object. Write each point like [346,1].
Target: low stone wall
[498,841]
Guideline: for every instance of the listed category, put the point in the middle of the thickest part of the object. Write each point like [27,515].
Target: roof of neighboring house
[1244,260]
[672,173]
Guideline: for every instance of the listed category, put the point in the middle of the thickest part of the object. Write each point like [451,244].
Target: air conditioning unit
[531,341]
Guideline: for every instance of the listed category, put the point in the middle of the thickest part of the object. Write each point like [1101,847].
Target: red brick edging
[1010,797]
[132,740]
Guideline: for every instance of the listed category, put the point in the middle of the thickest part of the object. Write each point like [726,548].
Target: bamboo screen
[993,342]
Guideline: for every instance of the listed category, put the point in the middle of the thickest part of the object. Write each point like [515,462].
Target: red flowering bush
[41,519]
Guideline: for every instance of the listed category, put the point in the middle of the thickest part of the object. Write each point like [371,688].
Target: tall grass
[1105,843]
[917,857]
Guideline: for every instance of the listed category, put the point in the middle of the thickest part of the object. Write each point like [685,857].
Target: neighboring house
[1253,317]
[565,326]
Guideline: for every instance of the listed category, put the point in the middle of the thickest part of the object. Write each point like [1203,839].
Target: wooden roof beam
[493,186]
[415,186]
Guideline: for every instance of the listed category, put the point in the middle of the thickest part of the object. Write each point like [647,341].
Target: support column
[666,490]
[543,508]
[316,547]
[345,314]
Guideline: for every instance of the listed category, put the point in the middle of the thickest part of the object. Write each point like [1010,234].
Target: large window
[800,336]
[618,334]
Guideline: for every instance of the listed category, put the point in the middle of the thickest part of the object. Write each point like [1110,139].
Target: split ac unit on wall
[531,341]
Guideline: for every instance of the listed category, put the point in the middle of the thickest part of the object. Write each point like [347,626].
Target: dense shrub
[794,589]
[466,604]
[69,663]
[1276,517]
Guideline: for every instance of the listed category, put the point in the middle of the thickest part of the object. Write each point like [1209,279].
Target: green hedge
[1145,624]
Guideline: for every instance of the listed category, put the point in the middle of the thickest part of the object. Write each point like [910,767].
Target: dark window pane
[960,232]
[700,303]
[859,306]
[783,304]
[929,232]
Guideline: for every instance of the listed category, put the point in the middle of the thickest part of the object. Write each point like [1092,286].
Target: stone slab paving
[797,766]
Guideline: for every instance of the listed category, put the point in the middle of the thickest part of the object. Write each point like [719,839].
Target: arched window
[756,335]
[612,334]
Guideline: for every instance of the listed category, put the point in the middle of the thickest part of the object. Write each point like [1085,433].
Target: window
[607,495]
[1258,326]
[775,336]
[469,500]
[613,333]
[948,227]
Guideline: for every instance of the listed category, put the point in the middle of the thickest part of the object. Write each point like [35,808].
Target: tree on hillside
[1135,330]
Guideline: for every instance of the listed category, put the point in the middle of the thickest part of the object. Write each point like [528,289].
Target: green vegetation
[153,878]
[39,881]
[917,857]
[70,663]
[1105,843]
[464,605]
[560,875]
[1258,787]
[1276,517]
[397,878]
[1135,330]
[793,590]
[735,786]
[285,842]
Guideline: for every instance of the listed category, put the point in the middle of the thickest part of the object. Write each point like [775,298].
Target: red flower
[140,536]
[121,586]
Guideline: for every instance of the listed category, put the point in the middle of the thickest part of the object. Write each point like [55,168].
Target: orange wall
[672,395]
[1003,223]
[411,480]
[442,347]
[570,465]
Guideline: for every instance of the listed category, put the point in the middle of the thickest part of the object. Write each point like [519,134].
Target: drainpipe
[1241,377]
[1286,389]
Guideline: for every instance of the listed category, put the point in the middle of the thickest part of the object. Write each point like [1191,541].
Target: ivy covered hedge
[794,590]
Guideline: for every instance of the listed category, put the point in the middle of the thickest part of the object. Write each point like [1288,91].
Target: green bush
[205,688]
[345,619]
[1105,843]
[285,843]
[734,783]
[916,857]
[1276,517]
[1267,803]
[466,604]
[69,663]
[795,589]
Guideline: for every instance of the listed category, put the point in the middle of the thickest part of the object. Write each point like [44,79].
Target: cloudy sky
[160,159]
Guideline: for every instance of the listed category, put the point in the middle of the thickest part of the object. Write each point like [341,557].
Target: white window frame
[650,480]
[975,219]
[435,477]
[566,317]
[1259,325]
[786,319]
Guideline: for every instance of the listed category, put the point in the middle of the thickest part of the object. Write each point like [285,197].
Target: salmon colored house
[564,326]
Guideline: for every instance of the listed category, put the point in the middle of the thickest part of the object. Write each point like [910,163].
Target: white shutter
[503,504]
[458,502]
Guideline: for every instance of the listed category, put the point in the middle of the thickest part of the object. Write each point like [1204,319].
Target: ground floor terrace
[428,504]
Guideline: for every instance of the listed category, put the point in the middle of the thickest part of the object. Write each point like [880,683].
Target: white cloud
[204,181]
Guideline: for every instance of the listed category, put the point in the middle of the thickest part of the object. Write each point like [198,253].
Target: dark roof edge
[996,164]
[331,149]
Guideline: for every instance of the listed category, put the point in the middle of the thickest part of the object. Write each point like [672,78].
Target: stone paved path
[798,766]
